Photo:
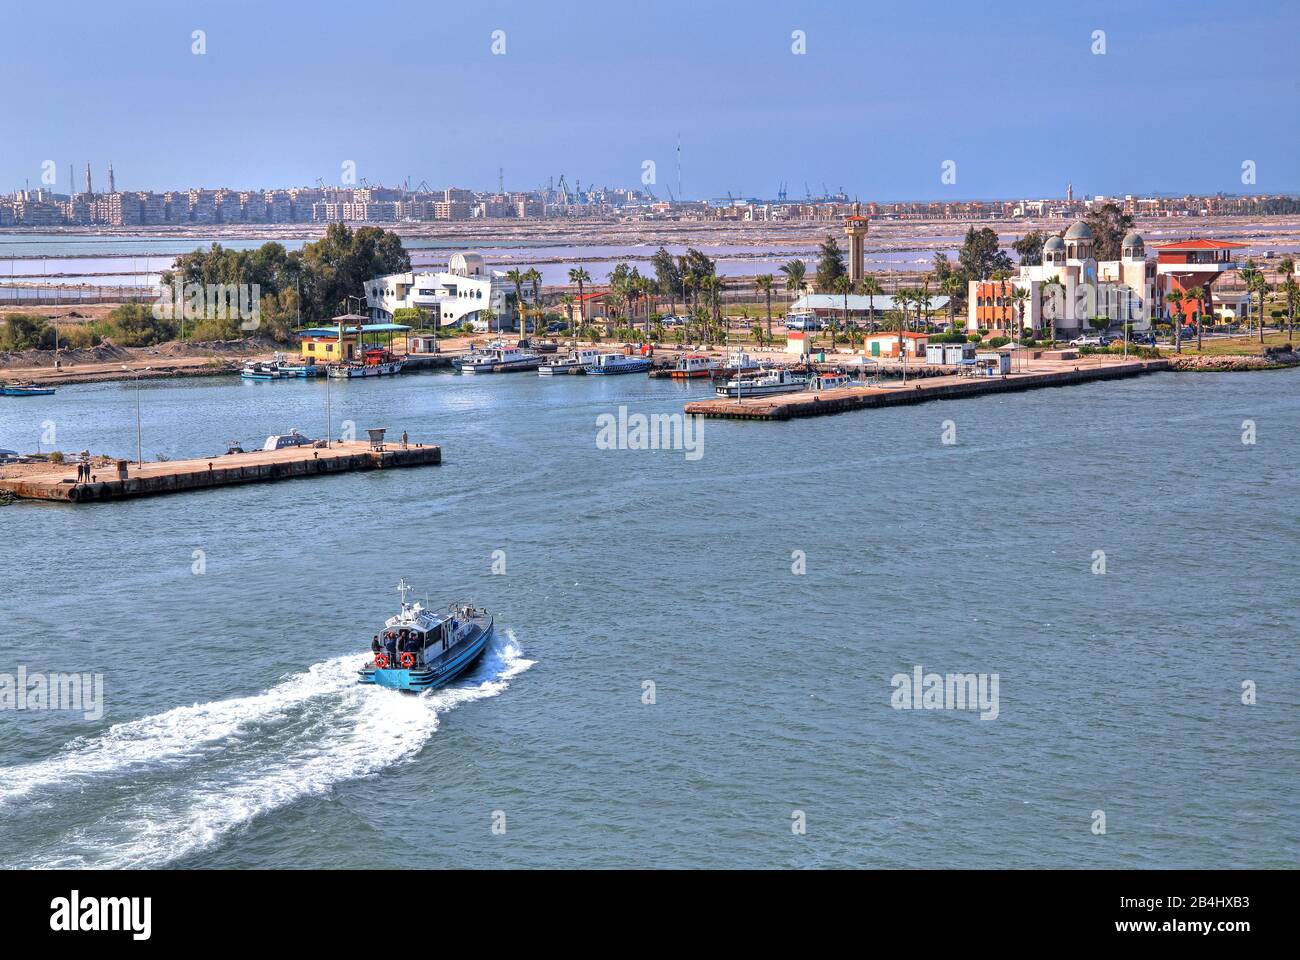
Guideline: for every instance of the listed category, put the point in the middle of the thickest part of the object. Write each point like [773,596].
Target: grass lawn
[1233,345]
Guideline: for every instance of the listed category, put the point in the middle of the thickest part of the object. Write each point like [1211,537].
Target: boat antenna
[403,588]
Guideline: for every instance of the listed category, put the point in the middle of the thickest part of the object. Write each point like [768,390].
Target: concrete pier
[176,476]
[820,403]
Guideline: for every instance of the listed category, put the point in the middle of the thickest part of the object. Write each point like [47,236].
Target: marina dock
[58,483]
[821,403]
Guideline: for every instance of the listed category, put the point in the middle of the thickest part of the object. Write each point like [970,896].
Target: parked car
[1143,339]
[556,327]
[672,321]
[803,321]
[1087,341]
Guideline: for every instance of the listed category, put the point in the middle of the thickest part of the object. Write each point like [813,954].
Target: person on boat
[390,646]
[375,645]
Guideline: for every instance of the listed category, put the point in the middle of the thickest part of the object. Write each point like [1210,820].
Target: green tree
[830,264]
[980,256]
[1108,223]
[1175,298]
[1030,247]
[764,283]
[795,271]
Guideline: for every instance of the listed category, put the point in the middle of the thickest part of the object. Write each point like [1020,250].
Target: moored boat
[498,358]
[24,390]
[767,384]
[376,362]
[423,649]
[576,361]
[609,364]
[834,381]
[694,365]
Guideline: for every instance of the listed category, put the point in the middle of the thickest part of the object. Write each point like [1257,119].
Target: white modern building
[460,293]
[1069,288]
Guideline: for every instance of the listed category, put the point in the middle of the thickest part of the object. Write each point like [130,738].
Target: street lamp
[138,454]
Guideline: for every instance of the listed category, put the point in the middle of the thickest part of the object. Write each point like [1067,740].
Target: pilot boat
[577,361]
[767,384]
[608,364]
[692,366]
[422,649]
[834,381]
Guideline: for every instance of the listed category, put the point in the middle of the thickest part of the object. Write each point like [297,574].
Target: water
[233,735]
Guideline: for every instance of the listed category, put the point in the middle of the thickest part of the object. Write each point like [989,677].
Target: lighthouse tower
[855,226]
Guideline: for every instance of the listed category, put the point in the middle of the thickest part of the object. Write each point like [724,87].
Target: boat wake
[174,783]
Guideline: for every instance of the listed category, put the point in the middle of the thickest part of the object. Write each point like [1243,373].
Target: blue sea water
[233,735]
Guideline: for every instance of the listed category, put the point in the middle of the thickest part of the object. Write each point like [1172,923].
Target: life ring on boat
[381,661]
[408,660]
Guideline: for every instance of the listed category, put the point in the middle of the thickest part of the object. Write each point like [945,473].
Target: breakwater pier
[818,403]
[58,482]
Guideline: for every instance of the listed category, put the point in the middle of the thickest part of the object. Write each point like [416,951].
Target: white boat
[776,381]
[738,362]
[609,364]
[500,359]
[576,361]
[834,381]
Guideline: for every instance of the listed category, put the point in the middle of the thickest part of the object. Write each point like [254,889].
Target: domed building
[1069,288]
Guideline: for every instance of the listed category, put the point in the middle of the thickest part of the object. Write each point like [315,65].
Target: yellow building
[347,340]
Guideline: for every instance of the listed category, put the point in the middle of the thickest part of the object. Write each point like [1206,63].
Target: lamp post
[138,444]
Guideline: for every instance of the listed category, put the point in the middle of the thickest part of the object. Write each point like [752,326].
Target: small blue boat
[24,390]
[422,649]
[608,364]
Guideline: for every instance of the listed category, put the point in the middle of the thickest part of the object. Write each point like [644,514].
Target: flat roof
[364,328]
[1198,244]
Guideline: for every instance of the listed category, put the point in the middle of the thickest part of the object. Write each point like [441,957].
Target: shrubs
[998,342]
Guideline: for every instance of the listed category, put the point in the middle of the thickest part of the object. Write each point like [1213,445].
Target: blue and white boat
[422,649]
[577,361]
[608,364]
[24,390]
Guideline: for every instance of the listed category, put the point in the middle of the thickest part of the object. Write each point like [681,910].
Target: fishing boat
[375,362]
[834,381]
[773,382]
[500,359]
[693,365]
[261,370]
[738,362]
[576,361]
[24,390]
[422,649]
[609,364]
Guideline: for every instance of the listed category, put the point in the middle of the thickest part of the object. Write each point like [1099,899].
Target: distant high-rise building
[89,187]
[112,187]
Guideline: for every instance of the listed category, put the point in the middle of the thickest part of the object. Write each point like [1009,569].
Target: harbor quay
[818,403]
[122,480]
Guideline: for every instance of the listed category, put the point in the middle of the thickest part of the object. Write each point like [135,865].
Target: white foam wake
[183,779]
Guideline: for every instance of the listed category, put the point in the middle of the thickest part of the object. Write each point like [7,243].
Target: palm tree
[951,285]
[764,283]
[871,287]
[902,300]
[1290,289]
[842,286]
[1019,297]
[923,299]
[579,276]
[516,277]
[795,271]
[1259,285]
[1049,297]
[1196,295]
[1175,298]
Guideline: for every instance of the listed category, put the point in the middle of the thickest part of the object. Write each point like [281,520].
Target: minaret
[1069,193]
[89,189]
[112,187]
[855,226]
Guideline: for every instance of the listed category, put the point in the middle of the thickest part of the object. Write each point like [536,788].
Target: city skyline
[1004,105]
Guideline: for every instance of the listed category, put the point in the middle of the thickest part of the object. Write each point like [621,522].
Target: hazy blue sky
[1012,93]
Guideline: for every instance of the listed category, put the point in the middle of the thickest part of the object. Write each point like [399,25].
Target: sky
[1010,99]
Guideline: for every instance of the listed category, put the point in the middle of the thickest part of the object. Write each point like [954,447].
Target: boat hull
[26,391]
[640,366]
[431,678]
[514,366]
[368,370]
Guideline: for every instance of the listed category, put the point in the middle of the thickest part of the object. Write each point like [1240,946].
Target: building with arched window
[450,297]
